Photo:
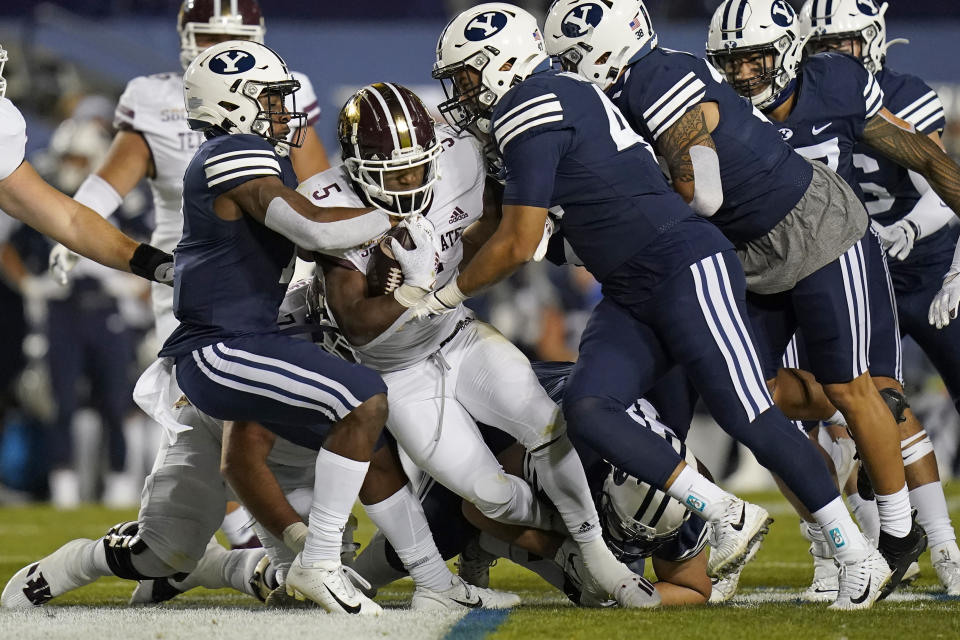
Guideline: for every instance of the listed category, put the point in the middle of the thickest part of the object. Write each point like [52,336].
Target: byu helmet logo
[485,25]
[581,19]
[781,13]
[232,61]
[868,7]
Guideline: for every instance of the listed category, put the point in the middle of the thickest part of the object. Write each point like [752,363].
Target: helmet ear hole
[228,106]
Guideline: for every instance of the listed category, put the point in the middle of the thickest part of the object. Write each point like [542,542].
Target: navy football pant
[697,319]
[276,380]
[885,348]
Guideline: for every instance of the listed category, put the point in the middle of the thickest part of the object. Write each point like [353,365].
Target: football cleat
[54,575]
[154,591]
[901,553]
[348,546]
[910,575]
[824,587]
[263,582]
[860,583]
[462,595]
[329,585]
[579,585]
[734,535]
[945,558]
[474,564]
[282,598]
[636,592]
[722,589]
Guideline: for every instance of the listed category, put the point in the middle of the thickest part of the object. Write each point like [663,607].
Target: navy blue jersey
[566,147]
[762,177]
[230,276]
[890,191]
[836,96]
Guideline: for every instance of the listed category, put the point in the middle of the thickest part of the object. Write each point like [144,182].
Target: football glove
[898,238]
[443,300]
[419,265]
[62,261]
[945,303]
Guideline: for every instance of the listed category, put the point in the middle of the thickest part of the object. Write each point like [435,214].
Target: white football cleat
[860,583]
[826,574]
[586,591]
[328,584]
[636,592]
[948,571]
[462,595]
[474,564]
[722,589]
[54,575]
[734,536]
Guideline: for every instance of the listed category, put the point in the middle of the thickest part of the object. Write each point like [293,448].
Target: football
[384,274]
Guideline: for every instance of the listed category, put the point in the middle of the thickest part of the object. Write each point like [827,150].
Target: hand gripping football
[384,274]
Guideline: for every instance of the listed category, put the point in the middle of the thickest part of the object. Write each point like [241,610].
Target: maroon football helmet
[240,19]
[384,127]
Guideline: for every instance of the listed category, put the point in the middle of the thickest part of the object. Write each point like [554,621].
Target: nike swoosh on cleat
[346,607]
[743,515]
[863,596]
[824,590]
[470,605]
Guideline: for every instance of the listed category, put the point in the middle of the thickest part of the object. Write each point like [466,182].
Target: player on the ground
[796,225]
[28,198]
[669,277]
[445,373]
[912,222]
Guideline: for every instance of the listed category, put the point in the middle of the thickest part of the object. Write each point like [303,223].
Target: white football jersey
[13,138]
[153,106]
[457,203]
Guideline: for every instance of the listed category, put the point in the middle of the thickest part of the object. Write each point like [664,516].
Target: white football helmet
[222,87]
[76,148]
[501,45]
[240,19]
[828,23]
[3,81]
[598,39]
[638,516]
[766,32]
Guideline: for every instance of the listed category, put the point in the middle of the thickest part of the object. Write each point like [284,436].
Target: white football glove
[62,261]
[898,238]
[43,288]
[436,303]
[945,303]
[419,265]
[548,228]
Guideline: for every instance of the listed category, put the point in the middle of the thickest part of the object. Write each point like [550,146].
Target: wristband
[409,295]
[295,536]
[153,264]
[450,295]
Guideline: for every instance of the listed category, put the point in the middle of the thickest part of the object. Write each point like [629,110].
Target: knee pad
[122,543]
[914,447]
[493,493]
[896,402]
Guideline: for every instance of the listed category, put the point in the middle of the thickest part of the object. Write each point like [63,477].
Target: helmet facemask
[270,123]
[370,175]
[3,81]
[847,43]
[765,86]
[469,104]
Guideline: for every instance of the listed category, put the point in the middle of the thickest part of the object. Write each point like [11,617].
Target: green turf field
[765,607]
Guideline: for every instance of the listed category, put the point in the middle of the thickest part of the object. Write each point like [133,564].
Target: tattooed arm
[691,157]
[897,140]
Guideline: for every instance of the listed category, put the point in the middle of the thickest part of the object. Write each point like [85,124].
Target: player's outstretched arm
[691,156]
[477,234]
[285,211]
[27,197]
[897,140]
[511,246]
[243,464]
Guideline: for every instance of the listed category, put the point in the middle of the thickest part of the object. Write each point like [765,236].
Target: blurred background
[69,356]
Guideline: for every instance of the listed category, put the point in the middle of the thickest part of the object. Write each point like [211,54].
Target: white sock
[932,513]
[94,560]
[865,511]
[544,567]
[402,521]
[220,568]
[894,510]
[560,472]
[237,526]
[698,494]
[819,547]
[842,535]
[336,485]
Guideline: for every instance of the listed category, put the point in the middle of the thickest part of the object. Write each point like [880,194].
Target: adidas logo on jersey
[457,215]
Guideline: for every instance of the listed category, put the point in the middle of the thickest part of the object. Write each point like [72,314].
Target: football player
[797,226]
[154,141]
[671,280]
[447,372]
[912,222]
[25,196]
[825,105]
